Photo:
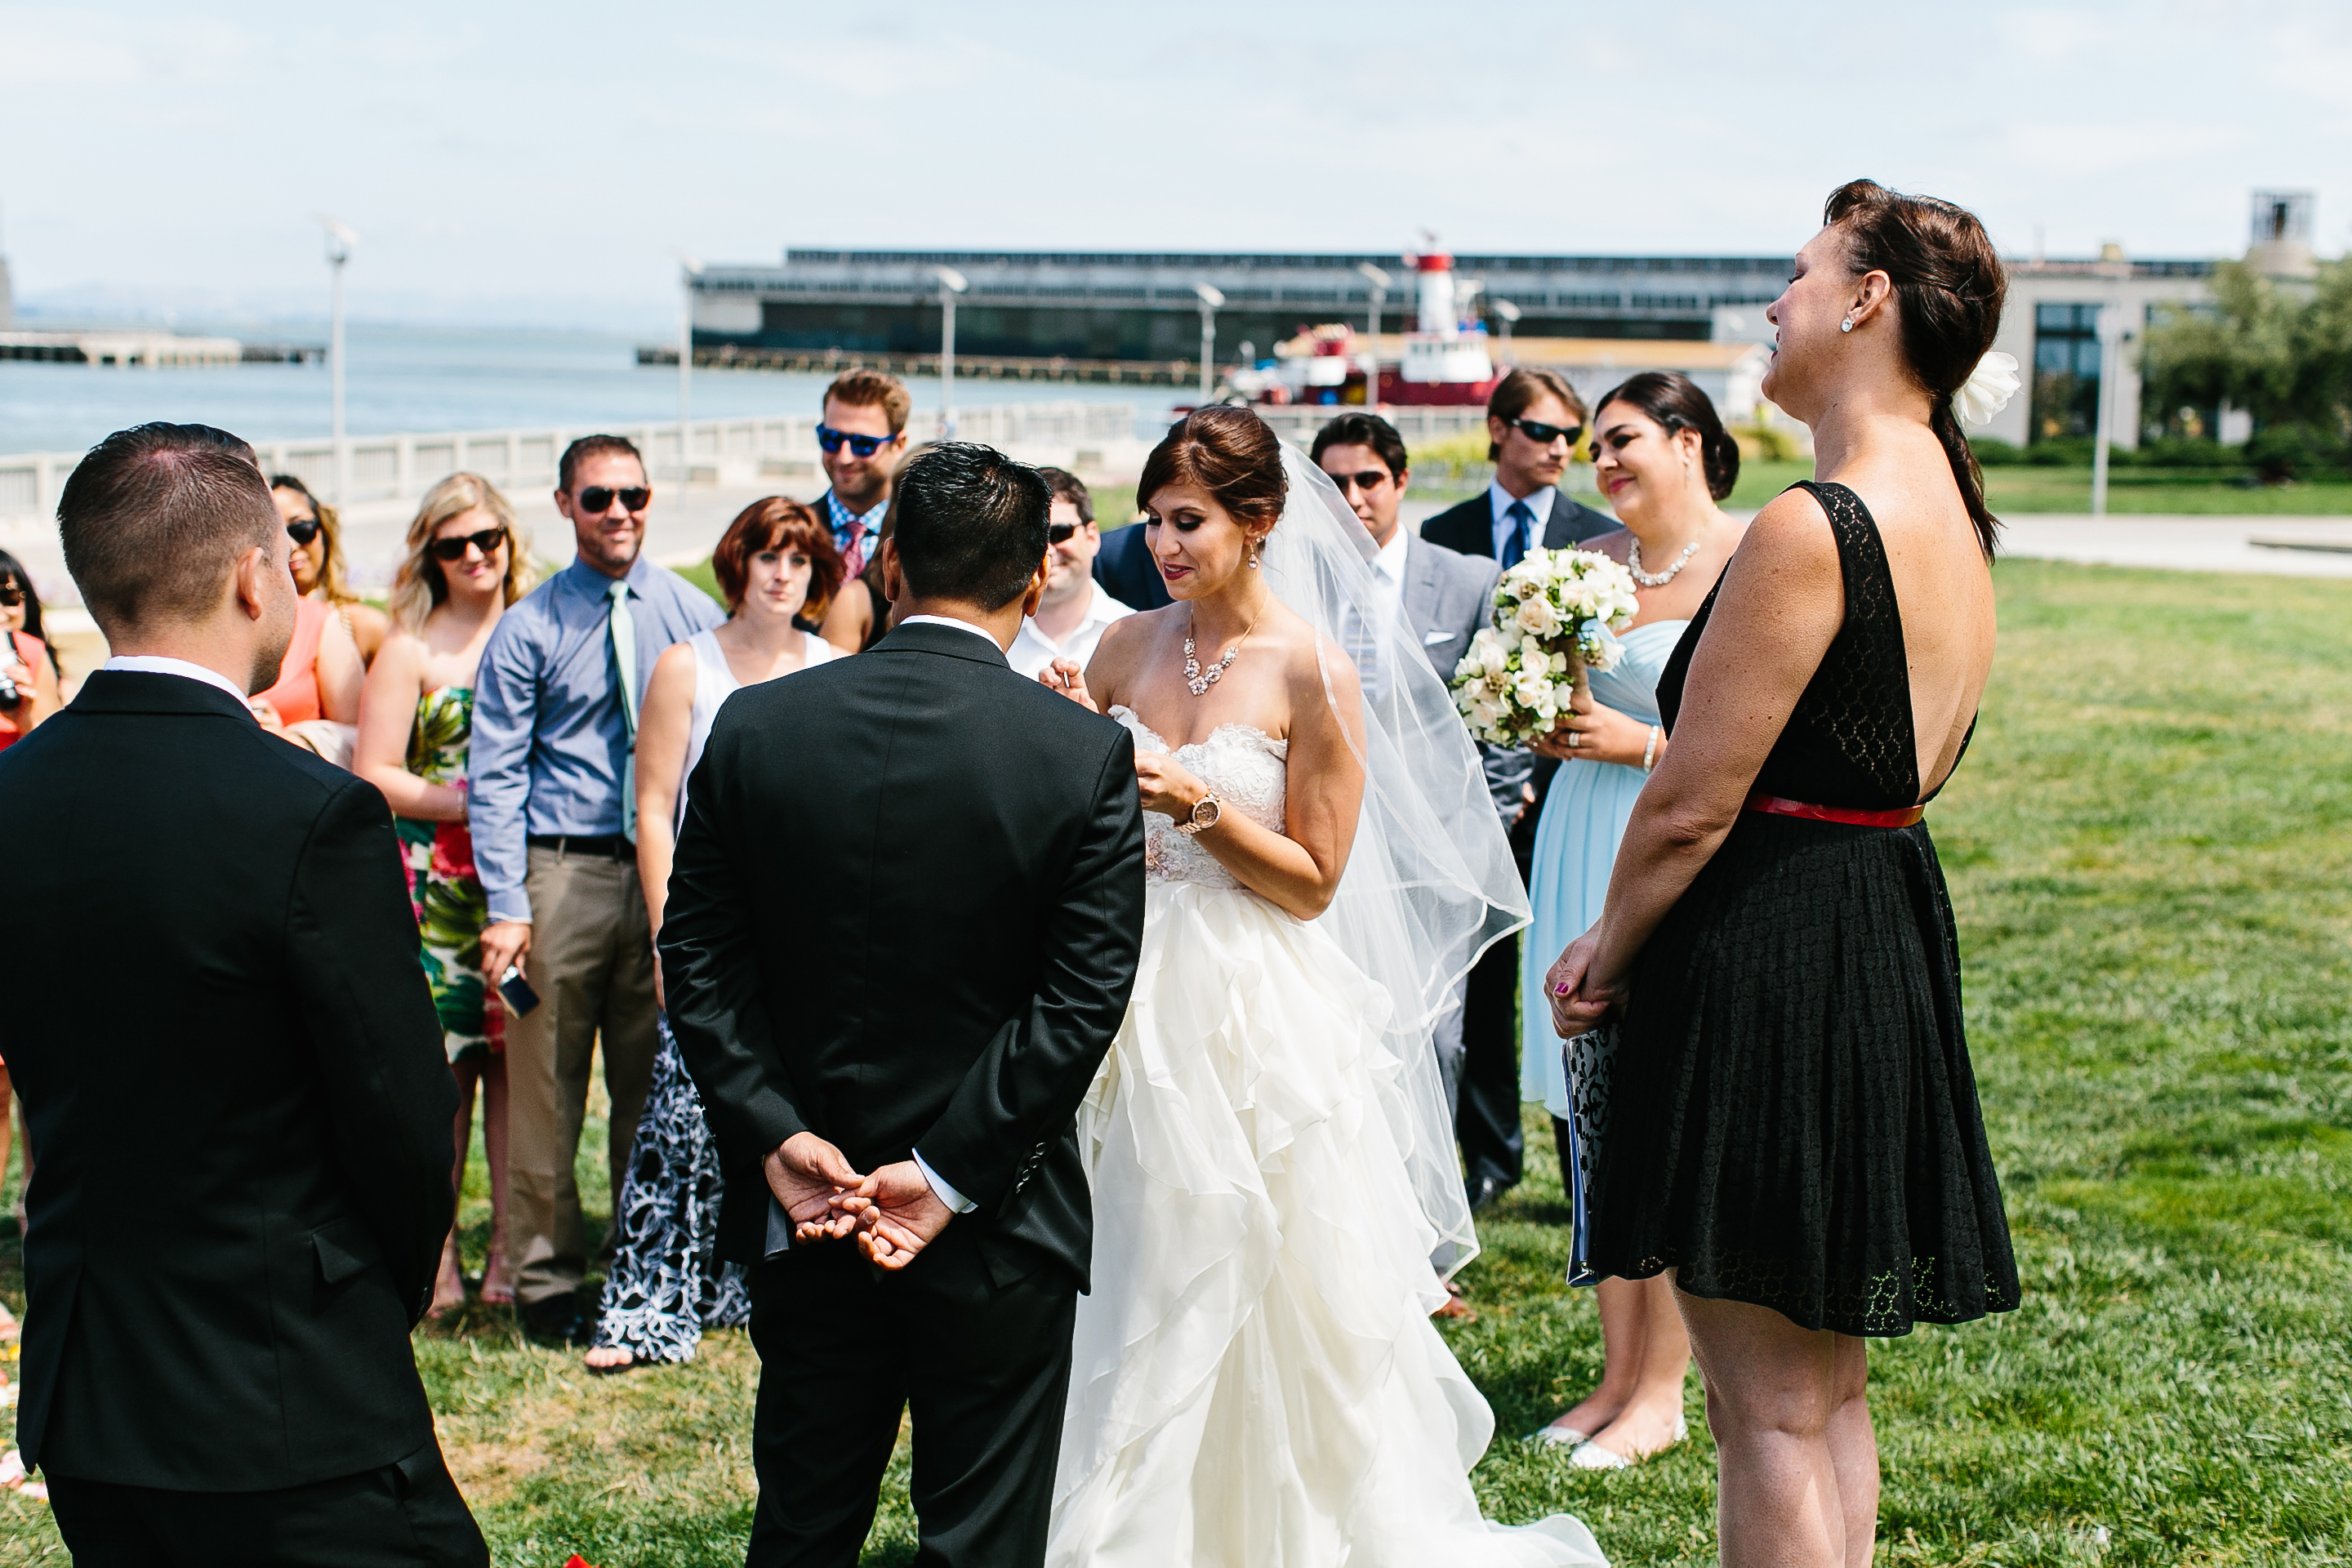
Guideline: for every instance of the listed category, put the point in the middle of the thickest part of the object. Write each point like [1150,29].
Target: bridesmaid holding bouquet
[1665,461]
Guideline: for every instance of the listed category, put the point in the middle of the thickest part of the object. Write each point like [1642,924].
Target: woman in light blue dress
[1664,460]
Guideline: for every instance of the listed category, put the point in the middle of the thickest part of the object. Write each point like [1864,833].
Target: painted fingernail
[1559,990]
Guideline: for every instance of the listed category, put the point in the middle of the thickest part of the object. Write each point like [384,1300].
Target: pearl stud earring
[1846,326]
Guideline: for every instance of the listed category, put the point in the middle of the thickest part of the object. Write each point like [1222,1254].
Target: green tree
[2282,353]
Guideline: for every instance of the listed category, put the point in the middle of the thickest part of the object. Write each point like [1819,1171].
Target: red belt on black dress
[1777,806]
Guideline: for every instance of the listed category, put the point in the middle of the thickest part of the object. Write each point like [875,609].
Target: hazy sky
[539,163]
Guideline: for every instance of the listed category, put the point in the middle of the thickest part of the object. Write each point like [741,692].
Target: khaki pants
[591,963]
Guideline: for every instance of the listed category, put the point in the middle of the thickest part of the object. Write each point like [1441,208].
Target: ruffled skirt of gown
[1256,1380]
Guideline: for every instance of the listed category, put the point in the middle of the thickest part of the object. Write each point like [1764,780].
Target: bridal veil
[1429,883]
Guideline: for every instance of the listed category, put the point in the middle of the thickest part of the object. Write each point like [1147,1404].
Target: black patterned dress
[1793,1120]
[667,1283]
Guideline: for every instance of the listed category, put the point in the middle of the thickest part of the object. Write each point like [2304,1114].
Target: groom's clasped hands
[892,1212]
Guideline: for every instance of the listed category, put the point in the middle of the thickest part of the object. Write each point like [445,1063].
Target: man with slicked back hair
[894,1079]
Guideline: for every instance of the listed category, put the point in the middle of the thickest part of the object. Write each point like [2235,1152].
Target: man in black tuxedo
[230,1064]
[906,1057]
[1533,421]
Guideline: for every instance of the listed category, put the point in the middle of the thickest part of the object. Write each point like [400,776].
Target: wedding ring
[1575,739]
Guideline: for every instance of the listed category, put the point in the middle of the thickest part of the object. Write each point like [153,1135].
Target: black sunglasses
[1544,435]
[1371,479]
[454,549]
[597,499]
[11,595]
[302,530]
[859,446]
[1060,532]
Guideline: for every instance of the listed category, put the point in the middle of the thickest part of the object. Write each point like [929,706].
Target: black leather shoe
[1484,1191]
[556,1319]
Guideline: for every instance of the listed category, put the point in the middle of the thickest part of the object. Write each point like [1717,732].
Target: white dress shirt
[1033,650]
[983,633]
[1539,502]
[153,664]
[1388,576]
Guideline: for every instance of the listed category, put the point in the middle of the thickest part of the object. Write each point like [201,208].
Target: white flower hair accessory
[1988,390]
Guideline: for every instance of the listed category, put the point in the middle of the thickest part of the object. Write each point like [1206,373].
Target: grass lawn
[2151,851]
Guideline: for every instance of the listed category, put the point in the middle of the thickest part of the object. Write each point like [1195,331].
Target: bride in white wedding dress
[1257,1382]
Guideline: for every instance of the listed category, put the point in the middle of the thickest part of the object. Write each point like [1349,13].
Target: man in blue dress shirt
[552,805]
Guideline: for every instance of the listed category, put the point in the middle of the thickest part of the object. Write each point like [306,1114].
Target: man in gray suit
[1442,594]
[1534,419]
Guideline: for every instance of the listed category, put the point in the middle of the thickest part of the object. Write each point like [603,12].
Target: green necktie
[624,628]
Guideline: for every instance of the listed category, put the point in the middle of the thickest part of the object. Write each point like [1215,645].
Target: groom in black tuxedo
[902,928]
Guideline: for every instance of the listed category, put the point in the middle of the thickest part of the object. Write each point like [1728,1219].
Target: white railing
[403,467]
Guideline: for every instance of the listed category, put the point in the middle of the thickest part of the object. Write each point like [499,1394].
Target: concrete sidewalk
[2276,546]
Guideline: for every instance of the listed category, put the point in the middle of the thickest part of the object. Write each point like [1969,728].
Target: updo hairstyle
[1227,451]
[1948,290]
[1674,403]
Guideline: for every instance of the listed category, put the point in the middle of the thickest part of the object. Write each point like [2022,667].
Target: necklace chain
[1656,579]
[1199,680]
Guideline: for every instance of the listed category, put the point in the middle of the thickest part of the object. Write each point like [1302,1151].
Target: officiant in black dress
[1788,1122]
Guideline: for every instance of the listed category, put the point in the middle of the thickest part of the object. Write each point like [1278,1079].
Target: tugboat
[1445,361]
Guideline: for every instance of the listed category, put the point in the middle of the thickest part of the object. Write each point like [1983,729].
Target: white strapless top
[1250,770]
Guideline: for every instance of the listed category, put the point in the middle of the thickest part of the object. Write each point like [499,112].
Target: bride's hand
[1600,735]
[1580,997]
[1068,678]
[1165,787]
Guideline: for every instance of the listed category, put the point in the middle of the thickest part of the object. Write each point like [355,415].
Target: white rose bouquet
[1519,674]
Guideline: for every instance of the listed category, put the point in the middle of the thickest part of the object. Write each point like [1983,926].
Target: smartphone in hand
[517,991]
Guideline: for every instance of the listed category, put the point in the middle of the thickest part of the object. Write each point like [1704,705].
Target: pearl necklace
[1656,579]
[1194,679]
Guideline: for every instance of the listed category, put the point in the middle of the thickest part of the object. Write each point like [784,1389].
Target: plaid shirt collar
[849,528]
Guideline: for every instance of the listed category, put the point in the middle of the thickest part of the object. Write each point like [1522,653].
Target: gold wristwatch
[1205,812]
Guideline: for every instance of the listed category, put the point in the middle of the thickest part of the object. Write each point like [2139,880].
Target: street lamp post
[1509,313]
[1210,297]
[2111,336]
[1378,280]
[690,270]
[340,241]
[951,283]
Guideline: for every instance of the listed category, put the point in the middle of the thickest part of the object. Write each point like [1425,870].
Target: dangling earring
[1846,326]
[1255,549]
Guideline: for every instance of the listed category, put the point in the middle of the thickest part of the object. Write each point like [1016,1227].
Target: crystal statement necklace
[1198,680]
[1656,579]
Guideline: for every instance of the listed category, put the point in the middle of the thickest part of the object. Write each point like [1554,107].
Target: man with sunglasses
[1075,608]
[1533,423]
[551,801]
[860,438]
[1442,594]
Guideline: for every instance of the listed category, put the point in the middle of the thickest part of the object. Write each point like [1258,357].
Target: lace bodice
[1849,741]
[1250,770]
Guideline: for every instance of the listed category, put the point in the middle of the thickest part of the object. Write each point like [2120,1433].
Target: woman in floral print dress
[467,562]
